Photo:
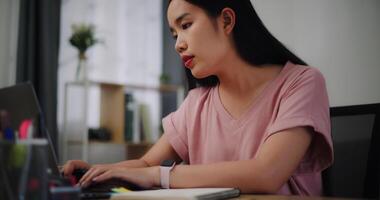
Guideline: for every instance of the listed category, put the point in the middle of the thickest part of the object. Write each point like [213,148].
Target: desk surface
[276,197]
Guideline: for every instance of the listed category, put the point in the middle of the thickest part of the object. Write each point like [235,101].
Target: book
[136,124]
[132,119]
[128,116]
[179,194]
[146,124]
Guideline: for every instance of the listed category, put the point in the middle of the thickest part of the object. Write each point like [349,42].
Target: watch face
[167,163]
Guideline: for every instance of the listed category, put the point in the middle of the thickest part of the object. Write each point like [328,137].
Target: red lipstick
[188,61]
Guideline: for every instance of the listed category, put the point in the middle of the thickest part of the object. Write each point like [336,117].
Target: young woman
[256,119]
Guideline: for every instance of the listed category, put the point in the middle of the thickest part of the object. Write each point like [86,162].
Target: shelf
[78,142]
[112,115]
[112,103]
[79,83]
[112,110]
[161,88]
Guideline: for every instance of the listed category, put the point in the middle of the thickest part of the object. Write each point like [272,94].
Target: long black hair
[254,43]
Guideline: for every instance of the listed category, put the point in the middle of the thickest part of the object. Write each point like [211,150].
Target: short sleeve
[175,129]
[305,104]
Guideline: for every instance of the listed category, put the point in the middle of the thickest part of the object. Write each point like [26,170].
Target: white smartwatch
[165,168]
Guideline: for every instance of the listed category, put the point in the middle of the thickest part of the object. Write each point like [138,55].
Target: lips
[188,61]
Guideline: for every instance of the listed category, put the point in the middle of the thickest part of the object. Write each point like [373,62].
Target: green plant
[83,37]
[164,78]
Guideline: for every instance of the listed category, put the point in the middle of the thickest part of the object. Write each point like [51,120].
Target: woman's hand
[72,165]
[147,177]
[94,171]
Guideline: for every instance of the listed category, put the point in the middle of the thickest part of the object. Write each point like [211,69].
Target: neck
[240,78]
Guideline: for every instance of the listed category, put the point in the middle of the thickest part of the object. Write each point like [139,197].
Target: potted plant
[82,38]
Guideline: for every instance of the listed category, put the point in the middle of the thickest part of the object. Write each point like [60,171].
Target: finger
[85,176]
[93,174]
[104,176]
[68,169]
[114,173]
[89,172]
[71,165]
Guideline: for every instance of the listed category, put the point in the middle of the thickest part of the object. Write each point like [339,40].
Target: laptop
[20,102]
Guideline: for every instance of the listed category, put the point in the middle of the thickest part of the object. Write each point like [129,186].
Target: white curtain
[9,11]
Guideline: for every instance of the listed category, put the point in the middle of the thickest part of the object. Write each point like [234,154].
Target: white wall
[340,37]
[9,10]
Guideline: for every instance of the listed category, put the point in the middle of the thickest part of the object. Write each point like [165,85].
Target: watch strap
[165,175]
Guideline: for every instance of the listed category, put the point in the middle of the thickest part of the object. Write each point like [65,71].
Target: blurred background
[105,103]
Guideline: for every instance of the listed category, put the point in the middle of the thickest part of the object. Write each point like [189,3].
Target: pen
[25,129]
[8,133]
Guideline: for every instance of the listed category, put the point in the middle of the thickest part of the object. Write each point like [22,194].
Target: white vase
[81,71]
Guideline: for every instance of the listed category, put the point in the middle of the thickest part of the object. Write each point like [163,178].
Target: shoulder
[196,100]
[199,94]
[306,72]
[304,75]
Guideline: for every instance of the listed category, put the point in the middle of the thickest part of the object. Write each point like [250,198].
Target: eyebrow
[179,19]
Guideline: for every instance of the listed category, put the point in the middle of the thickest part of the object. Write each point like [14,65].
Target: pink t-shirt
[201,131]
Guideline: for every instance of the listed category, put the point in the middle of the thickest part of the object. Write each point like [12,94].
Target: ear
[228,18]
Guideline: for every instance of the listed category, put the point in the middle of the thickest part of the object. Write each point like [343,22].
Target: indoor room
[251,99]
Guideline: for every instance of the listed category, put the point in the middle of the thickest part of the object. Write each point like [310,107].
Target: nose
[180,45]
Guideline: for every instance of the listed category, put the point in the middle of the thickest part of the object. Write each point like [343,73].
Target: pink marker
[24,129]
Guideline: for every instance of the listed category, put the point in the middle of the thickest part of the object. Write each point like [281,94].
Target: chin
[199,74]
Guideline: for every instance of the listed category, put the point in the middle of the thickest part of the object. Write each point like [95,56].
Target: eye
[186,25]
[175,37]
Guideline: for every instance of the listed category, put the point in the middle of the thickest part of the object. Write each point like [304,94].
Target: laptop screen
[20,103]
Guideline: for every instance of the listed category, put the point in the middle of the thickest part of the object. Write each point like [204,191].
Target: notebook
[179,194]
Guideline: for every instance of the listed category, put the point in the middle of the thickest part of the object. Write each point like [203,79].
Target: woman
[257,118]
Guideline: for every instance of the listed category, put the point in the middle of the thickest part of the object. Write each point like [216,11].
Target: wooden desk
[276,197]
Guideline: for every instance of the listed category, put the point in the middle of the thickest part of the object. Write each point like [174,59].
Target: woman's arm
[161,150]
[275,162]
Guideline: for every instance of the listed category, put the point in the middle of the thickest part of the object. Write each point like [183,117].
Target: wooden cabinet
[112,110]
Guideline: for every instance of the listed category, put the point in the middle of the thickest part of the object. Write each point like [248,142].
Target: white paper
[181,194]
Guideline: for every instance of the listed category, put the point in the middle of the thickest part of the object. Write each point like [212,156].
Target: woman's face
[200,40]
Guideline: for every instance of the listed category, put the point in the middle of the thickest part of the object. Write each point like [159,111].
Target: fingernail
[94,179]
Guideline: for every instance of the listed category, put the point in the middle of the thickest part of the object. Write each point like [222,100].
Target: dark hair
[254,43]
